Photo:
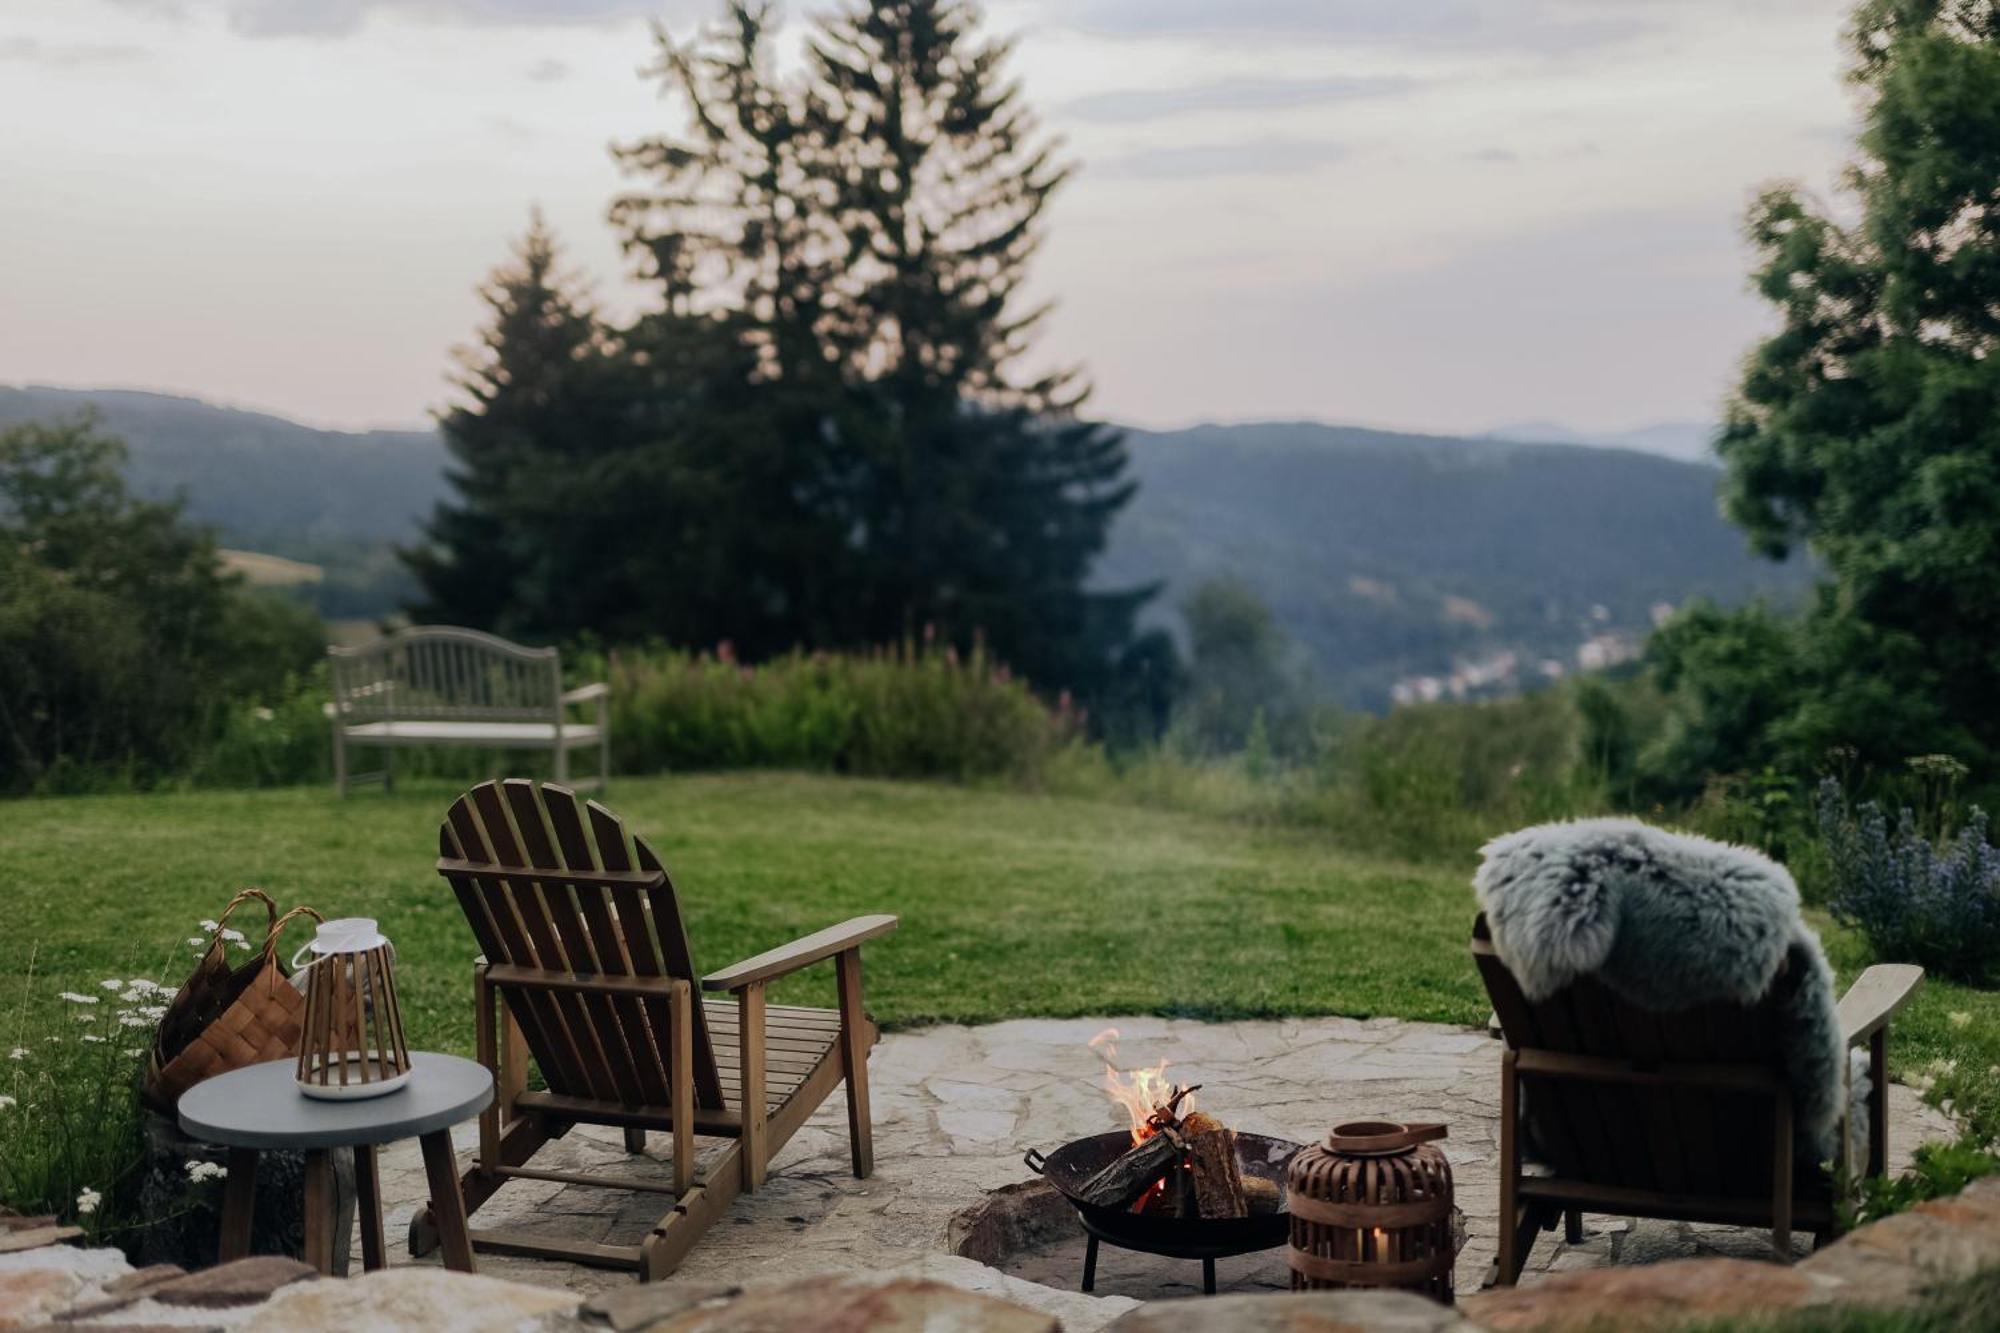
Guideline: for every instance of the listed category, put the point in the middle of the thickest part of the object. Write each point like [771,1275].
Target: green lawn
[1012,904]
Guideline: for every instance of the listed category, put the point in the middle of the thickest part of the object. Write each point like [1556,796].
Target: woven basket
[222,1019]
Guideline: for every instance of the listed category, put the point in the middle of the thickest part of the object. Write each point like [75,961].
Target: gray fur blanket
[1668,921]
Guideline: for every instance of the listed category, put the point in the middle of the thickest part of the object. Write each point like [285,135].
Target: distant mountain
[1436,564]
[1403,565]
[1688,441]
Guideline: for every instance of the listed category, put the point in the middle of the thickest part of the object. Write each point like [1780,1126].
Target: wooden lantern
[352,1044]
[1371,1207]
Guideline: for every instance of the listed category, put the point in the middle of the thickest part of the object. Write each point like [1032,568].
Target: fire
[1144,1094]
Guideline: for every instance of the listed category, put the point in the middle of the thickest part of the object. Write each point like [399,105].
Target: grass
[1012,904]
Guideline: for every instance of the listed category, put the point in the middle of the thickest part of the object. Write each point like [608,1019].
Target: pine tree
[980,497]
[533,409]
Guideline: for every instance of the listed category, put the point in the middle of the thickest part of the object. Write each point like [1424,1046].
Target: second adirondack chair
[586,972]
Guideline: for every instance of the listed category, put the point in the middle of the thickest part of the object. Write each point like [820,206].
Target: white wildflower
[111,983]
[75,998]
[92,1037]
[262,714]
[1959,1018]
[84,1018]
[200,1171]
[5,1101]
[197,943]
[135,1051]
[87,1201]
[233,935]
[132,1021]
[156,1012]
[18,1053]
[210,926]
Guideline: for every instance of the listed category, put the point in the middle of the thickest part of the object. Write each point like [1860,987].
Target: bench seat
[471,733]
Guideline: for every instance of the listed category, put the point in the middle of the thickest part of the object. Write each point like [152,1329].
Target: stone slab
[431,1299]
[1301,1312]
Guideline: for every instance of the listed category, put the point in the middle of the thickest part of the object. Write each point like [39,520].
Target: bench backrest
[1672,1137]
[435,673]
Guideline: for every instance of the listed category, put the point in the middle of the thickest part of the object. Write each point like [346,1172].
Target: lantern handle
[1370,1138]
[278,928]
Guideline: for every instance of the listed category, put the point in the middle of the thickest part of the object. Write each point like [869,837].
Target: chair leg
[1572,1226]
[854,1059]
[753,1137]
[1878,1102]
[1515,1239]
[1781,1174]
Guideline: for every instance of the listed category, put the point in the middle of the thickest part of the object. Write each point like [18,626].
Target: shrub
[910,712]
[1916,900]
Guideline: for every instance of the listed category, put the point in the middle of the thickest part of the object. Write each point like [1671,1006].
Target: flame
[1139,1092]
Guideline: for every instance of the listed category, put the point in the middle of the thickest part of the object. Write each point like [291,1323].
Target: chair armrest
[583,694]
[1875,997]
[799,953]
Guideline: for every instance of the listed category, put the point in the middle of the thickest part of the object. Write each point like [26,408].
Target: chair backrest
[541,891]
[440,673]
[1672,1138]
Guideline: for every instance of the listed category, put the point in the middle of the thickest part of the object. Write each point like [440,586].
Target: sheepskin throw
[1668,921]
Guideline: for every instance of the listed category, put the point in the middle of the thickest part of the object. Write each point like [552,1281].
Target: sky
[1441,215]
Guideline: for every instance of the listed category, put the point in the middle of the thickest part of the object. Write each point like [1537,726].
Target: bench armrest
[583,694]
[799,953]
[1875,997]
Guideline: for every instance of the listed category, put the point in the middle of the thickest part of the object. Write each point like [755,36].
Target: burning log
[1122,1184]
[1212,1167]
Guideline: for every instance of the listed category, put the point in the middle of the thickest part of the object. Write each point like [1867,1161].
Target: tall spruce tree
[535,407]
[1868,427]
[980,497]
[863,229]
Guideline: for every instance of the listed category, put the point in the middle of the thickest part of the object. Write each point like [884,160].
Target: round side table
[260,1106]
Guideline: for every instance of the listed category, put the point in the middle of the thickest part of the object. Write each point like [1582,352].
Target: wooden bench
[440,685]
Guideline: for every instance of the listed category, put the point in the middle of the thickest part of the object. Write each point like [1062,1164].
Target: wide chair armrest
[800,953]
[1875,997]
[583,694]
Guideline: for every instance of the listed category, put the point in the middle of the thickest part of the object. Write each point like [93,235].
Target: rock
[629,1308]
[1656,1296]
[35,1238]
[1890,1262]
[240,1282]
[435,1300]
[139,1279]
[1010,1219]
[845,1303]
[31,1295]
[1303,1312]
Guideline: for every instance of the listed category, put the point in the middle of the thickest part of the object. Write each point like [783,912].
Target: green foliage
[1930,900]
[1239,678]
[1937,1170]
[1868,427]
[916,711]
[69,1098]
[120,637]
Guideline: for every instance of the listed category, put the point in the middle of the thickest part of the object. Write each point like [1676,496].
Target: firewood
[1218,1180]
[1263,1195]
[1120,1184]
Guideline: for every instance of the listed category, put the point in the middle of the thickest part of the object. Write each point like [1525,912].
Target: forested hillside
[1386,557]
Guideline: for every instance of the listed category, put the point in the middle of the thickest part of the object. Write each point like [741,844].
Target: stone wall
[47,1282]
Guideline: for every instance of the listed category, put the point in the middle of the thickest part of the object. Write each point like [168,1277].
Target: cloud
[1266,157]
[1141,104]
[1503,156]
[1551,26]
[547,70]
[332,18]
[29,51]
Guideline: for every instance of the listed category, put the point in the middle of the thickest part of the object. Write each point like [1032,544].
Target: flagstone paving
[956,1107]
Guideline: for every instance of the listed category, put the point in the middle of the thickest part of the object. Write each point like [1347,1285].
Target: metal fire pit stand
[1208,1254]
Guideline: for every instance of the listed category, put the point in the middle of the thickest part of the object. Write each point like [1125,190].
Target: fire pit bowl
[1203,1238]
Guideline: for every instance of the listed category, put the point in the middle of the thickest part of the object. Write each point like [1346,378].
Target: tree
[863,230]
[121,638]
[1868,427]
[538,406]
[1240,679]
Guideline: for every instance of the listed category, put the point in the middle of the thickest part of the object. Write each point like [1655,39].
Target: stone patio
[956,1107]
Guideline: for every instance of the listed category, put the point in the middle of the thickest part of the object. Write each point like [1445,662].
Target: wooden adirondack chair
[1685,1116]
[585,952]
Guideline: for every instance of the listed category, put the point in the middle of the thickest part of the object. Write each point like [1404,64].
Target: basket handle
[1369,1138]
[278,929]
[244,896]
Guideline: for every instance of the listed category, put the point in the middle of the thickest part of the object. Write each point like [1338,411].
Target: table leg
[368,1202]
[447,1204]
[319,1208]
[239,1201]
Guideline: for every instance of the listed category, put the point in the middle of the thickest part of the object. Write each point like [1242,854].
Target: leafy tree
[1868,427]
[120,636]
[1240,679]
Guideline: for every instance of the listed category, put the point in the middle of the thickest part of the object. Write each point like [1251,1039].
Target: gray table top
[260,1106]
